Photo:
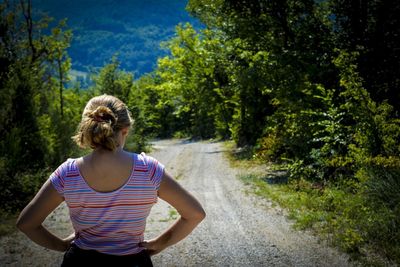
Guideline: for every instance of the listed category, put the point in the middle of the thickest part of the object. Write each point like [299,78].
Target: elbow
[199,215]
[20,225]
[23,225]
[195,217]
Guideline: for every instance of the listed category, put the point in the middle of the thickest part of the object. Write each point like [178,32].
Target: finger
[151,252]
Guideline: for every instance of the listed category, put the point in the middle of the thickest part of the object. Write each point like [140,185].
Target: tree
[113,81]
[34,132]
[372,28]
[58,42]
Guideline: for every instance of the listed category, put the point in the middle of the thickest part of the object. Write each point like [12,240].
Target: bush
[18,189]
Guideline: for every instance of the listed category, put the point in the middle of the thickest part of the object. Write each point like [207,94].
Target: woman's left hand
[152,246]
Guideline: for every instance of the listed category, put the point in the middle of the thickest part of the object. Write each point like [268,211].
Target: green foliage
[185,81]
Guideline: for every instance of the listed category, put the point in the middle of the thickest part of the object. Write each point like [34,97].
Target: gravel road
[240,229]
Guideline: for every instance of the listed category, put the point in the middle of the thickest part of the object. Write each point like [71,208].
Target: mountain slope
[131,29]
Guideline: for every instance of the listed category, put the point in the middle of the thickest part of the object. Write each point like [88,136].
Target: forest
[312,86]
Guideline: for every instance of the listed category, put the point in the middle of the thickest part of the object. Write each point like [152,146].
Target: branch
[28,19]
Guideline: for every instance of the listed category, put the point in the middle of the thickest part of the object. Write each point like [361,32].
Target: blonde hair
[103,117]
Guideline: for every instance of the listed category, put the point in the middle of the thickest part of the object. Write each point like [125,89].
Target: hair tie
[103,114]
[98,117]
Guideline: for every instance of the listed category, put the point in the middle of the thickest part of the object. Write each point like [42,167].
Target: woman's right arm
[31,218]
[190,211]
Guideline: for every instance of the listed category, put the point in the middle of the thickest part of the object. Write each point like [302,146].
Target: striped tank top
[111,222]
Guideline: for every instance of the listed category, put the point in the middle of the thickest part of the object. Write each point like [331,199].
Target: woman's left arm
[31,218]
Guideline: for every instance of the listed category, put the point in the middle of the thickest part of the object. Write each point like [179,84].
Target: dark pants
[76,256]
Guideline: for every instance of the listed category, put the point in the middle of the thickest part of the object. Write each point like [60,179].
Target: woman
[109,194]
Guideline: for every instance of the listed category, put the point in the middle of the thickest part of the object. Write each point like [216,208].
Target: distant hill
[131,28]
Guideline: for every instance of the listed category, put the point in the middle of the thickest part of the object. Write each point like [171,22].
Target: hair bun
[103,114]
[103,118]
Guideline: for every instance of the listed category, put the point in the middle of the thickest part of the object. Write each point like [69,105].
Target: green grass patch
[172,215]
[345,219]
[178,176]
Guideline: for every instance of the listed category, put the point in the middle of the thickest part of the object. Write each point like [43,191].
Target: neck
[101,151]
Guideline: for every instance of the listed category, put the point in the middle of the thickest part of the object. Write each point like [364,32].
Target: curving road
[240,229]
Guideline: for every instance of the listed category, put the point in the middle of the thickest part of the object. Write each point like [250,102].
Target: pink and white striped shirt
[112,222]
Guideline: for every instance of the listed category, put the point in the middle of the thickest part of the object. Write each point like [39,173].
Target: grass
[7,223]
[336,212]
[178,176]
[172,215]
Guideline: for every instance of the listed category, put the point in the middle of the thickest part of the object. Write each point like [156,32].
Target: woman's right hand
[68,241]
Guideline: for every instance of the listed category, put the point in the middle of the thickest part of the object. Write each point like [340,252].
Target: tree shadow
[276,177]
[216,152]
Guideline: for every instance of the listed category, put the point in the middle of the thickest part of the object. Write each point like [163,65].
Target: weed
[172,215]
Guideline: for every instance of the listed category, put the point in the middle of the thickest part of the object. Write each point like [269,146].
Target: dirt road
[240,229]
